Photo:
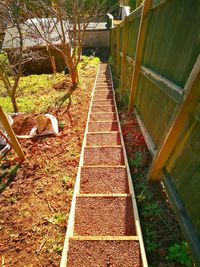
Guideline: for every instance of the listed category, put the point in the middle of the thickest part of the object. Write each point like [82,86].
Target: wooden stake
[190,100]
[139,50]
[12,135]
[118,50]
[124,61]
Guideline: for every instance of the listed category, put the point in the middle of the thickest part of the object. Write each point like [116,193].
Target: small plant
[180,254]
[62,125]
[137,160]
[58,218]
[57,248]
[70,192]
[151,246]
[152,209]
[66,179]
[67,182]
[141,197]
[12,200]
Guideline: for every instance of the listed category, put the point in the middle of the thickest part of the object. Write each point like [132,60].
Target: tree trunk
[74,76]
[14,103]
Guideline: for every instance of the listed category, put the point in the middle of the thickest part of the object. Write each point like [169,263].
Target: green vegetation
[58,218]
[136,161]
[180,254]
[8,176]
[36,92]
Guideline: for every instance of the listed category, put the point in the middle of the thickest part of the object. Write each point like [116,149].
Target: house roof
[50,27]
[31,31]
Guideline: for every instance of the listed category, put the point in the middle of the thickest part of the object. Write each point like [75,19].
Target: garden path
[103,227]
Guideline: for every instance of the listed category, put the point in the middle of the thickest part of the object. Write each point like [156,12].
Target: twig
[51,208]
[43,243]
[3,261]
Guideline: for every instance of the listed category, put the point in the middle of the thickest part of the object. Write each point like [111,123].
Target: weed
[152,209]
[70,192]
[141,197]
[12,200]
[180,254]
[53,244]
[57,248]
[13,172]
[137,160]
[58,218]
[151,246]
[66,179]
[62,125]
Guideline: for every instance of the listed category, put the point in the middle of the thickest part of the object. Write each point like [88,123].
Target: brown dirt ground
[34,207]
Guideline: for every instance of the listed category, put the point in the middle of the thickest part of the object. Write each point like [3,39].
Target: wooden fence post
[118,50]
[12,135]
[124,53]
[190,100]
[138,55]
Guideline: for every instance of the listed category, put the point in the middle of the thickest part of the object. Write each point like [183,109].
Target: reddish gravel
[103,216]
[103,102]
[103,116]
[103,139]
[103,126]
[104,180]
[103,96]
[103,156]
[104,254]
[107,108]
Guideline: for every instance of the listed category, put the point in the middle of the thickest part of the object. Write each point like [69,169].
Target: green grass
[35,93]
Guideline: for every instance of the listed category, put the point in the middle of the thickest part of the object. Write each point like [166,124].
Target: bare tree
[64,30]
[18,54]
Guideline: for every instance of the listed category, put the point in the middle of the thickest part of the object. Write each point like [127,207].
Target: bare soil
[104,254]
[97,216]
[35,205]
[104,180]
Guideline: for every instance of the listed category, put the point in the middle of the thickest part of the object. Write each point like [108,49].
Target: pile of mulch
[35,205]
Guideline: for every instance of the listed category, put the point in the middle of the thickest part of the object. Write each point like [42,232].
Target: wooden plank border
[105,238]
